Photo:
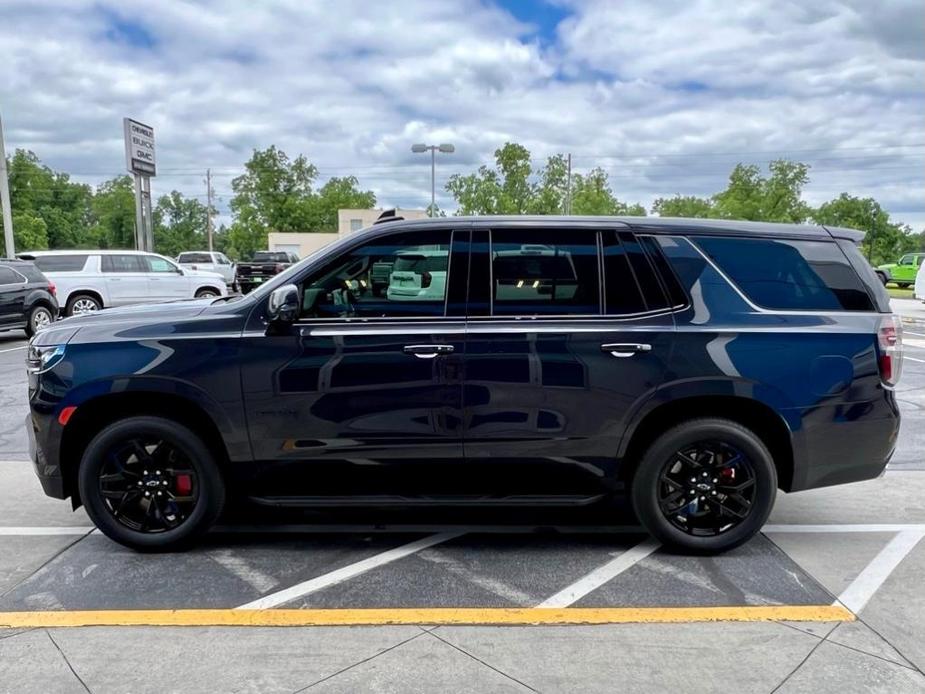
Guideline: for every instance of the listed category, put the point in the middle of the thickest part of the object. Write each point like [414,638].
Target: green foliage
[591,194]
[276,194]
[179,225]
[684,206]
[512,187]
[113,209]
[29,232]
[885,241]
[776,198]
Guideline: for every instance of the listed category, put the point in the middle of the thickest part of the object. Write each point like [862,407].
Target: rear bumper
[845,443]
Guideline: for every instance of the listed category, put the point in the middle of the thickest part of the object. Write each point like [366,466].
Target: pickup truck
[263,266]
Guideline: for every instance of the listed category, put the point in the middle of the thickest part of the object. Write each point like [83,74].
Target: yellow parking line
[437,616]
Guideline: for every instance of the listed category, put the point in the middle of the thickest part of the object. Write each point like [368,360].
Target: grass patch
[898,293]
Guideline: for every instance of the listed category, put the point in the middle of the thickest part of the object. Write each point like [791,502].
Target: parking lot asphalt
[828,597]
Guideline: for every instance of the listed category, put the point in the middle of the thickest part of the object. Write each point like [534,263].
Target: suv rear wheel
[706,485]
[207,293]
[82,303]
[150,484]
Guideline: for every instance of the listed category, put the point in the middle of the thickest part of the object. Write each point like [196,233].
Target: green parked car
[903,273]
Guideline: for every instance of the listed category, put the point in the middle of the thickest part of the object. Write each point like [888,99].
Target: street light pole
[446,148]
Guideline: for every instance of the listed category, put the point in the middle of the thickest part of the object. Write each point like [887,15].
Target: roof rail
[388,216]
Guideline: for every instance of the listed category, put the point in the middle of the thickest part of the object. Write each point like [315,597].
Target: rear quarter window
[789,274]
[60,263]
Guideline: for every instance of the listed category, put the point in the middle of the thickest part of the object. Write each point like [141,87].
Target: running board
[379,500]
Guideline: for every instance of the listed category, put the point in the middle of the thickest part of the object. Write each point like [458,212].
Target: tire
[206,487]
[676,528]
[903,285]
[207,293]
[39,317]
[82,303]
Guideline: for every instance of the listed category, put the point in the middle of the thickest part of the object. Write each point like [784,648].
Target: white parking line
[601,575]
[13,349]
[920,361]
[862,588]
[14,531]
[345,573]
[852,528]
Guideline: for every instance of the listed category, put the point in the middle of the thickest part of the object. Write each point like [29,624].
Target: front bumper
[48,472]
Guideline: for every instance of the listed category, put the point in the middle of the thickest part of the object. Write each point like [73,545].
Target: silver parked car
[210,261]
[88,281]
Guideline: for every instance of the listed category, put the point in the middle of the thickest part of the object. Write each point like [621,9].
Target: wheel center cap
[704,486]
[152,483]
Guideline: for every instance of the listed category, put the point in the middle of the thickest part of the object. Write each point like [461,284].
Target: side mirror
[284,304]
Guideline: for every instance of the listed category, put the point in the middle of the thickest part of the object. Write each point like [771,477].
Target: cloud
[666,96]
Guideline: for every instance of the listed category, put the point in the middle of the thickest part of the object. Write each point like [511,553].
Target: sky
[665,95]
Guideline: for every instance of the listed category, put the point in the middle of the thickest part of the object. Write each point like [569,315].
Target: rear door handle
[625,349]
[427,351]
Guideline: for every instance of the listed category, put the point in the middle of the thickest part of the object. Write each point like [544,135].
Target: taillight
[890,341]
[52,289]
[425,279]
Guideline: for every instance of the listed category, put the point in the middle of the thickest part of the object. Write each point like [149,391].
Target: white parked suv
[91,280]
[209,261]
[418,276]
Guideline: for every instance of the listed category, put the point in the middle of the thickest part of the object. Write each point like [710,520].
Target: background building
[306,243]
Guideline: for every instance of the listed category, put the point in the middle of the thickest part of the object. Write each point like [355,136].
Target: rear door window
[60,263]
[195,258]
[7,277]
[544,272]
[789,274]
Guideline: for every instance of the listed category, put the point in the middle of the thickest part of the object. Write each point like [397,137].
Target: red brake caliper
[184,485]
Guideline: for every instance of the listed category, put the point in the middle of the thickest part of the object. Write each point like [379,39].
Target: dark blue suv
[692,367]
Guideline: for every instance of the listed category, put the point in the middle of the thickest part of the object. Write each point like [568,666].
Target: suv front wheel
[705,486]
[150,483]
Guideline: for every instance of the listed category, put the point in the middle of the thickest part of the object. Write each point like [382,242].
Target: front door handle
[427,351]
[625,349]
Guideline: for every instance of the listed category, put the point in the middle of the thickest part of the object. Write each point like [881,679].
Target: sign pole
[5,200]
[139,216]
[140,161]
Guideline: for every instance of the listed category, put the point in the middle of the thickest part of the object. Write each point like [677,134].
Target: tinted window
[621,293]
[670,283]
[122,263]
[155,264]
[60,263]
[7,276]
[403,274]
[195,258]
[544,272]
[799,275]
[652,292]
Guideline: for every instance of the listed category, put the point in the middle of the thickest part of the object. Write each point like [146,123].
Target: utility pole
[209,206]
[568,187]
[5,200]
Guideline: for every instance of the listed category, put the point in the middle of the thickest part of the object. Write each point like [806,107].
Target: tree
[179,224]
[884,242]
[511,187]
[684,206]
[113,209]
[337,194]
[591,194]
[55,212]
[777,198]
[277,194]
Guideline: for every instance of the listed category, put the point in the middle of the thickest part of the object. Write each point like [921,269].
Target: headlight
[42,358]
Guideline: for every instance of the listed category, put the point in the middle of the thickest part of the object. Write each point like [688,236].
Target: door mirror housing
[284,304]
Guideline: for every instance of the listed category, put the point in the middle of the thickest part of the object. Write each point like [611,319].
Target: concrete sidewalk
[910,310]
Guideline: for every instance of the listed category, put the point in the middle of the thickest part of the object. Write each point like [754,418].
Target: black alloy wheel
[707,488]
[150,483]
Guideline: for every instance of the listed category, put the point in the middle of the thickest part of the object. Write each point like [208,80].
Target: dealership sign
[139,148]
